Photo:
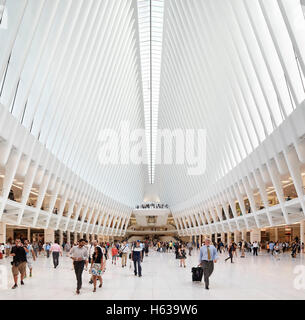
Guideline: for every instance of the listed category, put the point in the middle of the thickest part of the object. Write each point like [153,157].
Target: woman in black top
[182,255]
[231,251]
[97,266]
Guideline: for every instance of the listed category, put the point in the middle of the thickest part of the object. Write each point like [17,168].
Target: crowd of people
[152,206]
[92,256]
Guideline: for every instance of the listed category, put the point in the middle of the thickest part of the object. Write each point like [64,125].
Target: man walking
[56,251]
[136,257]
[79,255]
[207,258]
[124,251]
[18,253]
[190,248]
[255,248]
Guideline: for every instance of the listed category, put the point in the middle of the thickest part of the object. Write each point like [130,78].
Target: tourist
[30,255]
[190,248]
[207,258]
[79,255]
[271,246]
[47,249]
[18,253]
[136,257]
[182,255]
[230,250]
[55,250]
[8,248]
[114,253]
[124,251]
[255,248]
[97,266]
[67,248]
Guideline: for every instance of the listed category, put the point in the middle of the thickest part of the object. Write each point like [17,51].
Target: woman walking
[97,267]
[182,255]
[231,250]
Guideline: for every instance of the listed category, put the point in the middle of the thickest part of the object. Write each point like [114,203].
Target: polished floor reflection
[260,277]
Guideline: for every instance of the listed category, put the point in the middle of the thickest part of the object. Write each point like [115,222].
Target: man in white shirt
[79,255]
[124,250]
[255,248]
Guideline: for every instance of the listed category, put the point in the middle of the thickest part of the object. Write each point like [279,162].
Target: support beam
[2,232]
[49,235]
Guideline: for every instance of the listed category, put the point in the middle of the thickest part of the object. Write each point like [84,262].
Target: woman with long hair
[97,266]
[182,255]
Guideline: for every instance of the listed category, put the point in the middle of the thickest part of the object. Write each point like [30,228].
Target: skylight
[150,15]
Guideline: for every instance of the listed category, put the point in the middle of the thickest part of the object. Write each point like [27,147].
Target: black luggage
[197,273]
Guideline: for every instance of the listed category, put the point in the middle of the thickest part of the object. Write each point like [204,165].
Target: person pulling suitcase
[207,258]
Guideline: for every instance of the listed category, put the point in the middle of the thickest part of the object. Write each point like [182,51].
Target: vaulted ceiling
[71,68]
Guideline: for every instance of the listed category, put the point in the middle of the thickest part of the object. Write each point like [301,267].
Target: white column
[87,237]
[237,236]
[68,237]
[49,235]
[2,232]
[75,237]
[29,235]
[243,235]
[81,235]
[222,237]
[302,231]
[229,237]
[255,235]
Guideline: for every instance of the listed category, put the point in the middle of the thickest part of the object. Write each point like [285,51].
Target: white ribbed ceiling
[69,68]
[223,69]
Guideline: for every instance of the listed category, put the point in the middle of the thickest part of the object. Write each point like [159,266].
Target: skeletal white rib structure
[67,70]
[71,68]
[235,68]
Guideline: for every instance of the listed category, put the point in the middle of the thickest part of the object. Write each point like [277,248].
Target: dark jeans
[48,253]
[135,263]
[230,256]
[79,268]
[255,251]
[55,258]
[208,268]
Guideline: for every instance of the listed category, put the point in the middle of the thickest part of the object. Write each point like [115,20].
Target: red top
[114,251]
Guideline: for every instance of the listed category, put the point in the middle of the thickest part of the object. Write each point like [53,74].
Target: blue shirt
[204,253]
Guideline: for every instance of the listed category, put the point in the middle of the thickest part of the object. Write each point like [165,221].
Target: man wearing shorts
[18,253]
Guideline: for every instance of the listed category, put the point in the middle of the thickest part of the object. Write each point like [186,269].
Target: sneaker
[21,282]
[90,282]
[14,286]
[77,291]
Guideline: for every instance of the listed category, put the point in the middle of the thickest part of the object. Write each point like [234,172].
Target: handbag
[121,252]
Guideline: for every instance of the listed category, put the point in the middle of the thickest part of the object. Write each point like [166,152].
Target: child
[114,253]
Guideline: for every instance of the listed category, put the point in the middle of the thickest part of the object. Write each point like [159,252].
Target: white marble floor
[259,277]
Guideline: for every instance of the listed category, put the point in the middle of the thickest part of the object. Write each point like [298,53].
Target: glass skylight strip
[150,20]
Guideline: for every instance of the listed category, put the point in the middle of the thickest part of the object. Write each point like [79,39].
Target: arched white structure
[71,68]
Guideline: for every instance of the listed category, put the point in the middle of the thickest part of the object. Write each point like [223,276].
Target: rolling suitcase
[197,273]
